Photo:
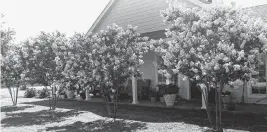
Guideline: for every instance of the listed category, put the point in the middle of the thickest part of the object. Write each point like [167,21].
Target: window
[260,87]
[161,79]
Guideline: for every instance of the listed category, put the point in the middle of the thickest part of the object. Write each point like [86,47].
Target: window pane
[161,79]
[260,86]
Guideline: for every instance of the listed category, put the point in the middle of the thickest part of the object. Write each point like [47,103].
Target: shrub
[61,91]
[83,95]
[23,87]
[162,89]
[172,89]
[226,93]
[43,93]
[30,92]
[153,92]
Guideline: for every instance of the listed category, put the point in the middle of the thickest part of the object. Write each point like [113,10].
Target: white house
[146,15]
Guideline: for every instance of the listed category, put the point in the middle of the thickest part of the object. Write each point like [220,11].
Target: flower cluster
[107,58]
[211,44]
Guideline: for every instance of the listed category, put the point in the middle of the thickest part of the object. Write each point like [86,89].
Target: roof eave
[101,16]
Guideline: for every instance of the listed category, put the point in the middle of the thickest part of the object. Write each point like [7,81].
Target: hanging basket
[169,99]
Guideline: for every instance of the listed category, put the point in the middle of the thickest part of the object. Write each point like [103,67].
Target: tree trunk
[243,93]
[17,92]
[10,92]
[216,109]
[220,106]
[207,106]
[14,95]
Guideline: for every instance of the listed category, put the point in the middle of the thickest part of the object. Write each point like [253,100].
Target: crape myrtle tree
[106,60]
[116,56]
[212,46]
[40,53]
[13,71]
[75,63]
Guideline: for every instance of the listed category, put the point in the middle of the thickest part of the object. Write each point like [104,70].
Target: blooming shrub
[39,54]
[43,93]
[30,92]
[104,59]
[213,44]
[23,87]
[117,54]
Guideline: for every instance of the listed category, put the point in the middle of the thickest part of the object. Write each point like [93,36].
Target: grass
[32,115]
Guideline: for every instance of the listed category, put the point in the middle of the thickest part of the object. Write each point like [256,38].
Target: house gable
[259,11]
[142,13]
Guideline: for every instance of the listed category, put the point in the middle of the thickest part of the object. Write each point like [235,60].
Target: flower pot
[169,99]
[161,99]
[153,99]
[62,96]
[70,94]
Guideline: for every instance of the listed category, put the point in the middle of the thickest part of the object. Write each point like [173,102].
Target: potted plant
[153,94]
[82,95]
[170,94]
[162,91]
[226,99]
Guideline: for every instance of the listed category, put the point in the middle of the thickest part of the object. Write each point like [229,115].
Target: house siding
[259,11]
[142,13]
[146,15]
[236,94]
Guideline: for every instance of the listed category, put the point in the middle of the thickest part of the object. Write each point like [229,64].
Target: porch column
[87,94]
[156,71]
[134,90]
[204,97]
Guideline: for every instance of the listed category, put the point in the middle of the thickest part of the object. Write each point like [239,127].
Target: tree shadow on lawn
[14,108]
[100,126]
[248,122]
[35,118]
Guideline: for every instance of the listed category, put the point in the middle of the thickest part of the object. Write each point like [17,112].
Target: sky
[29,17]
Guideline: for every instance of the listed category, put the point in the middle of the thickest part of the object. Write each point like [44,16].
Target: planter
[70,94]
[169,99]
[161,99]
[153,99]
